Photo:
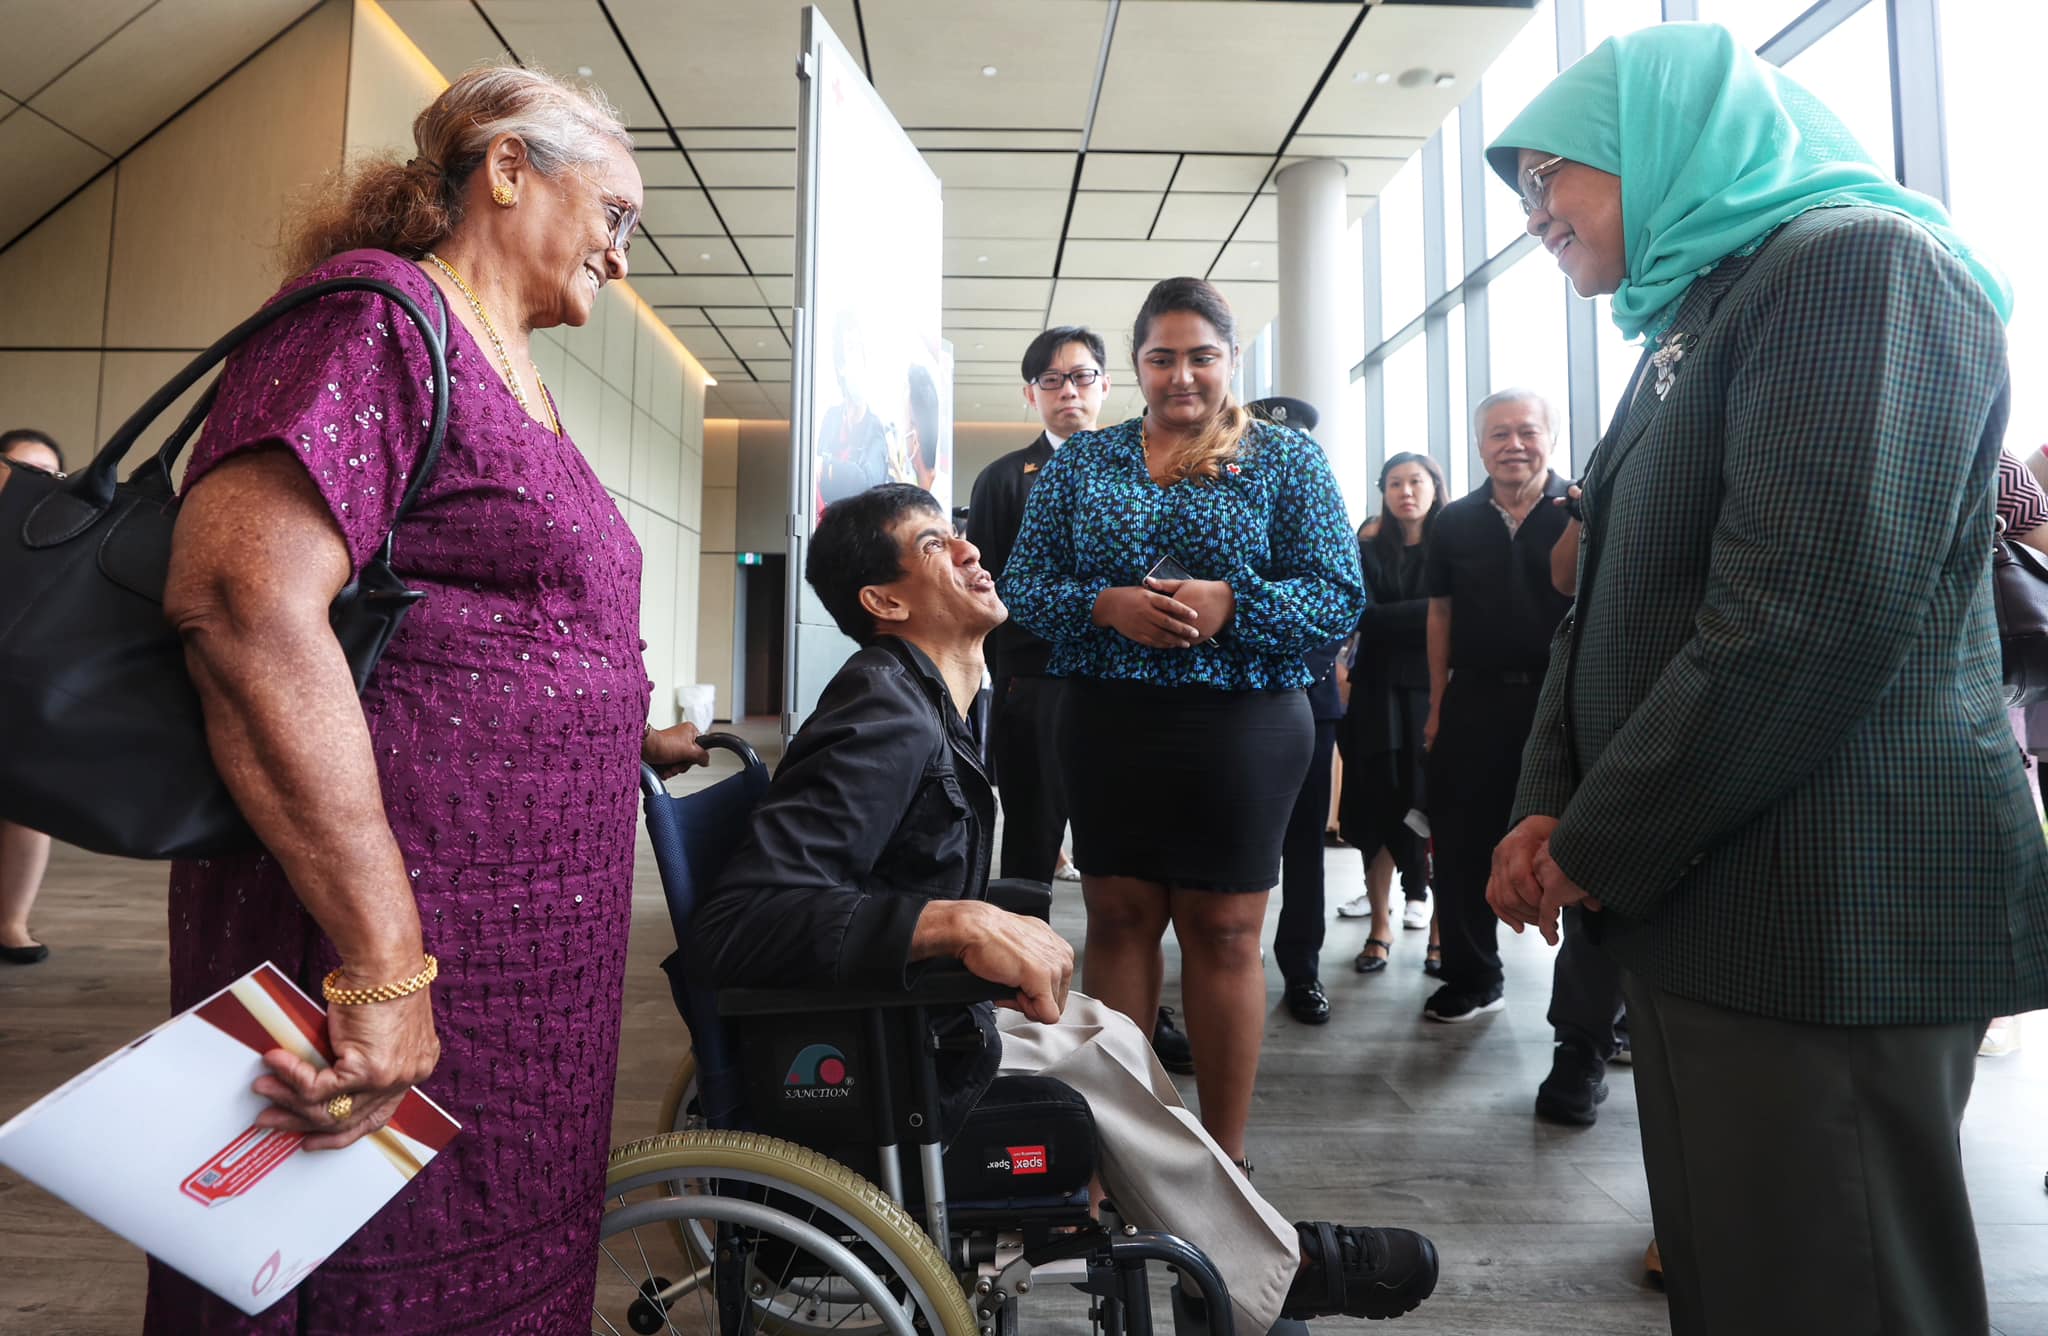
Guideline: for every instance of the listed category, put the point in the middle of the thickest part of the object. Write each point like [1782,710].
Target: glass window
[1526,339]
[1351,299]
[1850,70]
[1617,361]
[1755,22]
[1407,394]
[1400,210]
[1461,411]
[1529,63]
[1347,453]
[1999,203]
[1454,201]
[1605,18]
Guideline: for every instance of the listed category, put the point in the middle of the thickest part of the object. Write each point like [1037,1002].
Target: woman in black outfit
[1380,735]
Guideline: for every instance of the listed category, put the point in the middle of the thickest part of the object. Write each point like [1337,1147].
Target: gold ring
[338,1107]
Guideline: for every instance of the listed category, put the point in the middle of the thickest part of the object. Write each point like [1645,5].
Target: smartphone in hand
[1166,568]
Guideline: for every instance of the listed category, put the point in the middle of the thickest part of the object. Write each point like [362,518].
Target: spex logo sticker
[1019,1160]
[819,1072]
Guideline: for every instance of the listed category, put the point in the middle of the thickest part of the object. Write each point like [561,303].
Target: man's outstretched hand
[1012,949]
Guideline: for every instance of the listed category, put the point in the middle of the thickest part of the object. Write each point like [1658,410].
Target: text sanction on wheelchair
[803,1187]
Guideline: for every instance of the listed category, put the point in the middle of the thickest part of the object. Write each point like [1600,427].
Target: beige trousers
[1156,1163]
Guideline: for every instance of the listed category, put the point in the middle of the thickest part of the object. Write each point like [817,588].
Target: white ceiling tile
[688,255]
[1461,40]
[758,213]
[1001,345]
[740,317]
[1104,304]
[995,140]
[1001,294]
[1233,174]
[1191,217]
[928,57]
[1128,171]
[716,63]
[43,39]
[758,344]
[770,255]
[1149,260]
[569,38]
[965,318]
[454,37]
[41,165]
[745,167]
[661,167]
[139,76]
[1247,260]
[700,290]
[1272,73]
[647,257]
[998,257]
[778,291]
[957,169]
[695,137]
[1117,214]
[676,212]
[1263,222]
[1004,213]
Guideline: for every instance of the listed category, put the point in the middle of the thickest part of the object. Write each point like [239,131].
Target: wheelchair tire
[677,1116]
[762,1161]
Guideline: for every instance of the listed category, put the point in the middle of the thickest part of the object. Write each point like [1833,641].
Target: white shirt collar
[1055,441]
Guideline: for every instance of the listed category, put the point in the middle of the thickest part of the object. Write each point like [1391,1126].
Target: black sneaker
[1453,1007]
[1572,1093]
[1371,1273]
[1171,1045]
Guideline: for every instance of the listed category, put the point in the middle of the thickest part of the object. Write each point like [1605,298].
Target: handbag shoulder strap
[68,510]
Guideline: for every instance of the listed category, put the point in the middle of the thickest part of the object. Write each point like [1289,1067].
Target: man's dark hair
[30,436]
[1038,357]
[852,548]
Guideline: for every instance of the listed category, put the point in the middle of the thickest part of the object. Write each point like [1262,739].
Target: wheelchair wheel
[680,1113]
[825,1249]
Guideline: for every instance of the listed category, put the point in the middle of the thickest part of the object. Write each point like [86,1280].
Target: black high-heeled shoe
[32,954]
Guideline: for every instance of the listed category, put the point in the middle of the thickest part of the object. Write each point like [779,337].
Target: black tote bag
[102,743]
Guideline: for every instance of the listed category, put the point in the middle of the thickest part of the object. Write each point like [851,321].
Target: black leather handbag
[2019,586]
[102,743]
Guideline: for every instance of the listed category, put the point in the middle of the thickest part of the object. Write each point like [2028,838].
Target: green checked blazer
[1779,753]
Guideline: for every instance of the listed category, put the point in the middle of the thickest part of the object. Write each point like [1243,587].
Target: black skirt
[1185,786]
[1380,738]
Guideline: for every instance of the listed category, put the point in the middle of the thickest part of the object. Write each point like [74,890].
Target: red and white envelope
[157,1142]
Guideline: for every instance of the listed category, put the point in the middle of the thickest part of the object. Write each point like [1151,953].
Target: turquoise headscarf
[1715,148]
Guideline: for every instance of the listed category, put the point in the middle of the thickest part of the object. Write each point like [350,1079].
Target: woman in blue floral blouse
[1185,734]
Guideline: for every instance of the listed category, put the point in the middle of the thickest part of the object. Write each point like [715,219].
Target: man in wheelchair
[868,859]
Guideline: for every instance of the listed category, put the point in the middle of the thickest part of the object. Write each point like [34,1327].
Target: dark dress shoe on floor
[1572,1093]
[33,953]
[1170,1046]
[1307,1002]
[1359,1272]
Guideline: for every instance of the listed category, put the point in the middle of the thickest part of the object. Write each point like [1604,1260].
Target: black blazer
[1393,631]
[994,511]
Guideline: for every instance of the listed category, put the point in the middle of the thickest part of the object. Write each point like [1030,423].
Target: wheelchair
[802,1185]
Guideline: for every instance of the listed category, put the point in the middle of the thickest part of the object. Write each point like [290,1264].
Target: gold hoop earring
[502,196]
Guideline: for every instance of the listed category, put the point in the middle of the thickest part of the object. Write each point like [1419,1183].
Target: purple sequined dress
[506,717]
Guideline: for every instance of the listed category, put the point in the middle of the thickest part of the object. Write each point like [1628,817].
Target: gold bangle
[383,992]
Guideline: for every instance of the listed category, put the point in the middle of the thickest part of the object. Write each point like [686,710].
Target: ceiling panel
[698,290]
[1191,217]
[1236,174]
[998,257]
[134,81]
[993,140]
[964,318]
[770,255]
[569,39]
[691,50]
[1254,260]
[674,212]
[996,171]
[758,344]
[1119,214]
[1004,213]
[1149,260]
[777,291]
[1250,112]
[702,255]
[42,39]
[1001,345]
[746,136]
[663,167]
[1102,303]
[745,167]
[1128,171]
[454,37]
[928,57]
[1459,40]
[758,213]
[1002,294]
[739,317]
[1263,222]
[647,257]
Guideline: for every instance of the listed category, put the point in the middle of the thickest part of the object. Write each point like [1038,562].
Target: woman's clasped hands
[1166,614]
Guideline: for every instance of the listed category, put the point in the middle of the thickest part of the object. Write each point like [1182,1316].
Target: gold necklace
[504,358]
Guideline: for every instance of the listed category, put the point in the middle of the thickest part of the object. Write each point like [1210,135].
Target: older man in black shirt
[1492,610]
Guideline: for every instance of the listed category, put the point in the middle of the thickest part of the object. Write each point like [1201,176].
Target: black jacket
[880,805]
[994,513]
[1393,631]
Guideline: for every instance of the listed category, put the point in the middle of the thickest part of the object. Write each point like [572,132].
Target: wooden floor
[1374,1118]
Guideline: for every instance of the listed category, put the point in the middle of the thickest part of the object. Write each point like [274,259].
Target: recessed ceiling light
[1362,76]
[1446,80]
[979,346]
[1255,264]
[981,259]
[988,71]
[1383,77]
[760,343]
[583,70]
[703,255]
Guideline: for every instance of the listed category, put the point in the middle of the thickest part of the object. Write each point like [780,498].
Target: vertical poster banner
[871,386]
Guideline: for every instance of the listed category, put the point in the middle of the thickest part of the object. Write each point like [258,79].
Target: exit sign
[750,558]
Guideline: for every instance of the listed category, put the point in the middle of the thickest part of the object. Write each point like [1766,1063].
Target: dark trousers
[1586,1004]
[1024,746]
[1806,1178]
[1298,941]
[1473,768]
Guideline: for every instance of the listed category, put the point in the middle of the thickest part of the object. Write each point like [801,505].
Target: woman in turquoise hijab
[1775,726]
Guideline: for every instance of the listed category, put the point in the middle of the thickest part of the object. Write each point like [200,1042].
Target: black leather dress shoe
[1170,1043]
[1307,1002]
[31,954]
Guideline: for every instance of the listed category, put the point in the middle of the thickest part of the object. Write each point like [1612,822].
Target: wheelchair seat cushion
[1029,1136]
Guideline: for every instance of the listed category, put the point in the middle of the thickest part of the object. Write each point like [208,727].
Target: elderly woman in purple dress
[475,808]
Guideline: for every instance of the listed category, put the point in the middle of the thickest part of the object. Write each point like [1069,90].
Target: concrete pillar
[1308,359]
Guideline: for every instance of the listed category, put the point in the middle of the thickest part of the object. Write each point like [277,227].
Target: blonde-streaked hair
[380,203]
[1205,453]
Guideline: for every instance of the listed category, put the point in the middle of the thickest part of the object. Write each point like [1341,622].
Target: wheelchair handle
[650,782]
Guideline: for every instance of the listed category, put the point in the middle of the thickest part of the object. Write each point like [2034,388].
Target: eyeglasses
[1536,184]
[621,218]
[1052,380]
